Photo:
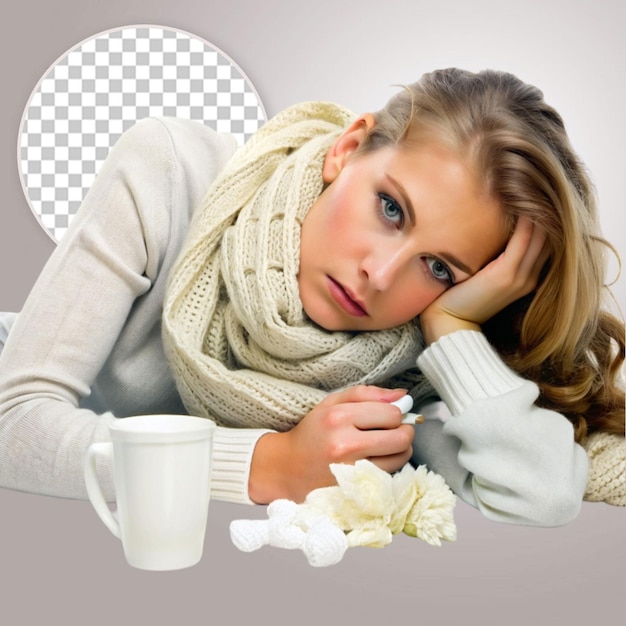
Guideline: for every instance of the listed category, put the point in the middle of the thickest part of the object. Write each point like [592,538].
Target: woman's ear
[345,145]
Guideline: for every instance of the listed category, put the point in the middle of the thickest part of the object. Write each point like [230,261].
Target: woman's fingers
[363,427]
[525,255]
[392,462]
[362,393]
[537,255]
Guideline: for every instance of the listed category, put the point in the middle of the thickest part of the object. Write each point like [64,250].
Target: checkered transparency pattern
[101,87]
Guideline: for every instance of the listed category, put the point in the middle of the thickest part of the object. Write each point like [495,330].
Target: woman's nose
[384,265]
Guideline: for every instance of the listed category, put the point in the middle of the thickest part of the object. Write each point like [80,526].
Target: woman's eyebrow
[446,256]
[452,260]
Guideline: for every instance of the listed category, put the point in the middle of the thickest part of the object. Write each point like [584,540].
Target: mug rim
[161,428]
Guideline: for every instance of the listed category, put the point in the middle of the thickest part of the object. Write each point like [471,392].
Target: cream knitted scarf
[239,344]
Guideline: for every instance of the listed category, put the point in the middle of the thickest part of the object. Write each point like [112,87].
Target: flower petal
[368,486]
[370,537]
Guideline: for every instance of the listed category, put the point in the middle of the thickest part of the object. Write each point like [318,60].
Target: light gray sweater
[86,349]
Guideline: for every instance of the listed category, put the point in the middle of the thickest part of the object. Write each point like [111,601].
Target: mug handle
[94,491]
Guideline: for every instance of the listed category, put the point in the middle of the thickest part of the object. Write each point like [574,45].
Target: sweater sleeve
[105,278]
[514,461]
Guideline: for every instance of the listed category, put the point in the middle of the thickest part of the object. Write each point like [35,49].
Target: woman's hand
[357,423]
[507,278]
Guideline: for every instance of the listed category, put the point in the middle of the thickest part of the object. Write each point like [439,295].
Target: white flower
[370,505]
[405,492]
[431,516]
[367,486]
[376,537]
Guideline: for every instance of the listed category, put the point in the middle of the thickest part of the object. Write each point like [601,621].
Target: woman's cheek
[425,293]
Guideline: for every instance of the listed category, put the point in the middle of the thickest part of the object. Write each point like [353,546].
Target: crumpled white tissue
[366,508]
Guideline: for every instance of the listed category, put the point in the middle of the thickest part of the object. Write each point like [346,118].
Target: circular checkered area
[105,84]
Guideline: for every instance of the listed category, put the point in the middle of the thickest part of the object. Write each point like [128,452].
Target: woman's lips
[344,300]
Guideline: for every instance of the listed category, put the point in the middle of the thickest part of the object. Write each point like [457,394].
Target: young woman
[447,245]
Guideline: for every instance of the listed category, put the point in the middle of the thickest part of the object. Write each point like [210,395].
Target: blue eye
[440,271]
[390,210]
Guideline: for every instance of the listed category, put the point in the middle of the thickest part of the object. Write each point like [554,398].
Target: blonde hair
[561,337]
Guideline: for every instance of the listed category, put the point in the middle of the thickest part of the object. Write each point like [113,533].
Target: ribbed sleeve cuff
[232,455]
[464,367]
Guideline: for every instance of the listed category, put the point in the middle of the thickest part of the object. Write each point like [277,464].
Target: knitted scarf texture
[239,344]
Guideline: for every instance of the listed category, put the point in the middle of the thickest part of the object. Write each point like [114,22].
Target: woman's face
[393,230]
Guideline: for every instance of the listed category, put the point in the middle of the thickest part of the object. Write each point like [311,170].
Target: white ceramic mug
[162,467]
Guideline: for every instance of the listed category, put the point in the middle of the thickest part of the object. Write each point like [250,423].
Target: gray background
[57,560]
